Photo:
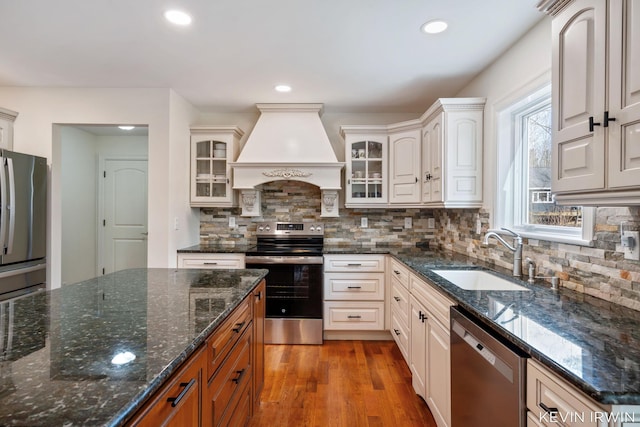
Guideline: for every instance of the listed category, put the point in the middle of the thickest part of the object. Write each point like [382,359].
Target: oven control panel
[290,228]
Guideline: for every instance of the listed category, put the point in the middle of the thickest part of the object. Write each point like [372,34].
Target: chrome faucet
[516,248]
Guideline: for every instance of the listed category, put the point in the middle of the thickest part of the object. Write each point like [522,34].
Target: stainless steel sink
[478,280]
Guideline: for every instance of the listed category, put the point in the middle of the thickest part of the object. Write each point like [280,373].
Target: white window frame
[509,203]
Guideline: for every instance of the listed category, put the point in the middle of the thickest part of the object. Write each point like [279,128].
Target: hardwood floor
[339,383]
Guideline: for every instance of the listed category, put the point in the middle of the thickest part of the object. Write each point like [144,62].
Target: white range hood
[288,143]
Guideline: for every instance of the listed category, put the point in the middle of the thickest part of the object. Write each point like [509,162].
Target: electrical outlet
[630,245]
[176,225]
[364,222]
[431,223]
[232,222]
[408,223]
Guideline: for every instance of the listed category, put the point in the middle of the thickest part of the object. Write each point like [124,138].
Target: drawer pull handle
[548,410]
[397,298]
[397,272]
[210,263]
[355,264]
[354,316]
[354,287]
[187,386]
[258,296]
[239,377]
[422,316]
[238,327]
[592,124]
[396,331]
[607,119]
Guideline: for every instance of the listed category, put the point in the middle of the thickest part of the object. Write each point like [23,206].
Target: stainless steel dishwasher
[487,377]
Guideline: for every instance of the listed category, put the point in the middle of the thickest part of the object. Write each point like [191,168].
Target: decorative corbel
[330,203]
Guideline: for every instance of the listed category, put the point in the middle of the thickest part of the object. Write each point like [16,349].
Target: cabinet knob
[396,331]
[396,298]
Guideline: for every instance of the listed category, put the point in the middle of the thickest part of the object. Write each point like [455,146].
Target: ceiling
[351,55]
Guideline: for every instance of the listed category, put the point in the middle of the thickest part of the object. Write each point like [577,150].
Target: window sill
[555,238]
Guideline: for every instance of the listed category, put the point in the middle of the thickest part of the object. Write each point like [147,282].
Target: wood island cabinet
[220,384]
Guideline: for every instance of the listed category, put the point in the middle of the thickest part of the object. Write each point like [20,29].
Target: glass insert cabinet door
[211,169]
[367,172]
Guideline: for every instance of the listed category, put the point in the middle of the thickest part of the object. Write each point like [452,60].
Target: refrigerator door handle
[3,205]
[12,206]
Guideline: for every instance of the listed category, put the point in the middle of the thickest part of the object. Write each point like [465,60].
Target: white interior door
[124,215]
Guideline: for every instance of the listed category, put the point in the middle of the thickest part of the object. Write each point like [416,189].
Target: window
[524,202]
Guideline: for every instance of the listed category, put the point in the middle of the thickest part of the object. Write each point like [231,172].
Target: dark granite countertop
[592,343]
[57,368]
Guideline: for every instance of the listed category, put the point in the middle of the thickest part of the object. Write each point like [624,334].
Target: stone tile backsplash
[601,270]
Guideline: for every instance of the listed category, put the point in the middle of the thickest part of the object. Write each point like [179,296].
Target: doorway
[104,194]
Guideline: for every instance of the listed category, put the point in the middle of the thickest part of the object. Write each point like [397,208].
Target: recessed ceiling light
[126,127]
[177,17]
[434,27]
[283,88]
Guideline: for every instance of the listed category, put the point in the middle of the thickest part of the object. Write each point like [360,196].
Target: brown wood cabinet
[259,295]
[221,382]
[177,403]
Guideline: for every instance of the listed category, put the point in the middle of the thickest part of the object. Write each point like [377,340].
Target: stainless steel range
[292,252]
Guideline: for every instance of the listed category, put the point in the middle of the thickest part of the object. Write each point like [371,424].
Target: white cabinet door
[432,160]
[624,94]
[418,346]
[405,166]
[366,165]
[213,148]
[7,117]
[438,379]
[463,158]
[578,84]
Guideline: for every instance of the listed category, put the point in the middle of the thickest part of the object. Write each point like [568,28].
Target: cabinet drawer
[400,273]
[354,286]
[225,388]
[226,335]
[400,334]
[211,261]
[354,263]
[400,301]
[433,300]
[547,390]
[185,386]
[532,421]
[342,315]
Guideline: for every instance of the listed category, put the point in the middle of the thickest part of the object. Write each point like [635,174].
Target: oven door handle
[283,260]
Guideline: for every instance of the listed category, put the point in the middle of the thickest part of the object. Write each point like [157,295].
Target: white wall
[183,116]
[527,63]
[78,215]
[41,108]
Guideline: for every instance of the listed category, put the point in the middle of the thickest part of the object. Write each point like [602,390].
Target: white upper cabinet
[452,153]
[596,101]
[212,149]
[434,161]
[366,157]
[404,161]
[7,117]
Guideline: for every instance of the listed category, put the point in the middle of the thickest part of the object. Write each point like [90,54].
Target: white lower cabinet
[354,292]
[552,401]
[429,348]
[213,261]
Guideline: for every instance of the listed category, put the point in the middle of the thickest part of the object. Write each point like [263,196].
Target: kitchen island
[92,353]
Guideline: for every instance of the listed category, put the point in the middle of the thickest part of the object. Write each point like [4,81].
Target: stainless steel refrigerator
[23,223]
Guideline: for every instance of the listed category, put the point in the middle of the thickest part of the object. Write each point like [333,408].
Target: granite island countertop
[58,370]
